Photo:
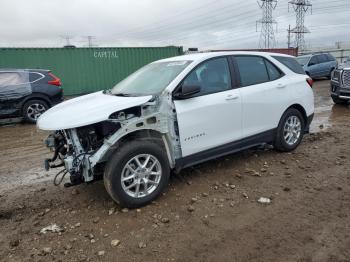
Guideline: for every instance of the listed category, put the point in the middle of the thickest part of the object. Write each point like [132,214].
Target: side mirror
[187,91]
[311,64]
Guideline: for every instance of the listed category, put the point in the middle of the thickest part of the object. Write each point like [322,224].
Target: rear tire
[339,101]
[33,109]
[147,180]
[290,131]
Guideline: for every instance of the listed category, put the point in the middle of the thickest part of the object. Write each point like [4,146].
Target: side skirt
[230,148]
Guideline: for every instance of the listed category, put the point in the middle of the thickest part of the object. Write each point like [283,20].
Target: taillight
[56,81]
[310,82]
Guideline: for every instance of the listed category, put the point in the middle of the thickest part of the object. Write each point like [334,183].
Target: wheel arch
[300,108]
[142,134]
[36,96]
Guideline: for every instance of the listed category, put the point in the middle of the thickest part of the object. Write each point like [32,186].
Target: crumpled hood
[86,110]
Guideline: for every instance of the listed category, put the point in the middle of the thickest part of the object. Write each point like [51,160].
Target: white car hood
[86,110]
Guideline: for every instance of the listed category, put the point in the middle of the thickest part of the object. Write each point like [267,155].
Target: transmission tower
[67,38]
[301,7]
[267,35]
[90,39]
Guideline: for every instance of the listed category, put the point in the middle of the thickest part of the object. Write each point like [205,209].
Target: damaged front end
[84,151]
[73,149]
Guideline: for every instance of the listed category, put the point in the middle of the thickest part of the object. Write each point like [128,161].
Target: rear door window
[313,60]
[252,70]
[322,59]
[291,63]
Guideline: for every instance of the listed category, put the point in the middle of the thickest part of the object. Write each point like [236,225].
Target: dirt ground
[209,212]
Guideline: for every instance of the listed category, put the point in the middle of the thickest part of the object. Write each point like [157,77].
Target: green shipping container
[85,70]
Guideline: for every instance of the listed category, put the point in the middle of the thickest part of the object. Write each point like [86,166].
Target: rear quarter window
[34,77]
[291,63]
[330,57]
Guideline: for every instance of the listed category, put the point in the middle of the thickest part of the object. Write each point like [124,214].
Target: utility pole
[301,7]
[90,38]
[267,35]
[338,45]
[67,38]
[289,31]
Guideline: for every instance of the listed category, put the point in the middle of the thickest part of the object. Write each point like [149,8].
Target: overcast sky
[204,24]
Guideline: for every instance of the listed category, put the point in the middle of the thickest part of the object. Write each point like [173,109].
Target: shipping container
[85,70]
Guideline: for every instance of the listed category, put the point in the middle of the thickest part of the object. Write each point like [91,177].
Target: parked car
[175,113]
[340,84]
[318,65]
[28,93]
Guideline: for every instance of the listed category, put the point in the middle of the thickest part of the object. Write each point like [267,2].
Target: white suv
[176,113]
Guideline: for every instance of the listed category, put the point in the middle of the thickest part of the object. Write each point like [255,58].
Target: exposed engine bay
[83,151]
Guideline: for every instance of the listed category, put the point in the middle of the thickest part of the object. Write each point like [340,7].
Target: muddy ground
[209,212]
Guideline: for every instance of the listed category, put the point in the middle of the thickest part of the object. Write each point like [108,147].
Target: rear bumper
[58,98]
[57,101]
[308,123]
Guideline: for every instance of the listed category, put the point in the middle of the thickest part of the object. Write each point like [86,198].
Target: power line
[219,15]
[238,20]
[165,26]
[153,30]
[169,17]
[219,24]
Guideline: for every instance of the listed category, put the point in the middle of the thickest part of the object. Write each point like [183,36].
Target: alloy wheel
[141,175]
[292,130]
[35,110]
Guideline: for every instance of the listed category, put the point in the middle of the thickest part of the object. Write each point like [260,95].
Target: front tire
[33,109]
[137,173]
[290,131]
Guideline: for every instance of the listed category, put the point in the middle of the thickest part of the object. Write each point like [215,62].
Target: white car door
[264,93]
[213,117]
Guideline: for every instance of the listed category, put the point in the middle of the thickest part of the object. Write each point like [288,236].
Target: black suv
[28,93]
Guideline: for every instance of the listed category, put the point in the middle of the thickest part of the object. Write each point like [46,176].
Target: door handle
[232,97]
[281,86]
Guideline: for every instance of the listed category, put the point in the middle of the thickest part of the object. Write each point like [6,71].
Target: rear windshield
[303,60]
[291,63]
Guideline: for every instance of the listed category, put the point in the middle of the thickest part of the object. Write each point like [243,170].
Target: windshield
[303,60]
[150,79]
